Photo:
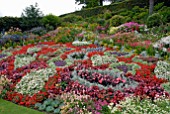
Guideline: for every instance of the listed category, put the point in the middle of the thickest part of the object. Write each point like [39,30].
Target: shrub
[113,30]
[158,6]
[117,20]
[72,18]
[101,21]
[51,20]
[107,15]
[154,20]
[165,11]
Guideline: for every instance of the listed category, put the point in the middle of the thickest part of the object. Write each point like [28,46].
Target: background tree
[151,6]
[92,3]
[31,17]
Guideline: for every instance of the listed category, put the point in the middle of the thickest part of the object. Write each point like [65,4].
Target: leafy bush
[154,20]
[101,21]
[117,20]
[51,20]
[72,18]
[8,22]
[165,11]
[113,30]
[150,51]
[107,15]
[158,6]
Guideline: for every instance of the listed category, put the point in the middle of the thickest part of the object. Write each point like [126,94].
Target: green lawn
[7,107]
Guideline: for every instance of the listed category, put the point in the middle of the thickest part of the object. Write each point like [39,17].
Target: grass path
[7,107]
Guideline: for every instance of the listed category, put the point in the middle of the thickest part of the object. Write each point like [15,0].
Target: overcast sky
[56,7]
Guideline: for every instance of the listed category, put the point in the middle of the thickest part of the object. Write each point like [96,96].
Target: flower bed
[64,78]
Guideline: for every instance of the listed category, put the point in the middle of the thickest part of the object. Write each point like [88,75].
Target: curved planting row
[66,78]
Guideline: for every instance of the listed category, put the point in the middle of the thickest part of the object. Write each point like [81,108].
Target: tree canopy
[32,12]
[31,17]
[92,3]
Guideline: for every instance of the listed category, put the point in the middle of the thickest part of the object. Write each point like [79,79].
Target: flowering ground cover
[83,78]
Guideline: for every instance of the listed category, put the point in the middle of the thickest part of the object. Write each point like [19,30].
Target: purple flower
[123,68]
[2,55]
[131,24]
[118,53]
[60,63]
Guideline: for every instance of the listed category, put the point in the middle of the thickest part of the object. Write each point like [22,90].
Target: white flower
[34,81]
[164,49]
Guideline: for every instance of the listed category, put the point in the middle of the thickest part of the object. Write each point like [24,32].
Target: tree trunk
[101,2]
[151,6]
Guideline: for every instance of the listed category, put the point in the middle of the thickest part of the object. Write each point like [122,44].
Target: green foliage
[165,11]
[127,13]
[107,15]
[117,20]
[50,106]
[101,21]
[49,109]
[7,107]
[92,3]
[31,17]
[105,110]
[115,8]
[51,20]
[158,6]
[8,22]
[166,86]
[72,18]
[55,103]
[57,111]
[37,105]
[47,102]
[154,20]
[150,51]
[32,12]
[3,93]
[42,107]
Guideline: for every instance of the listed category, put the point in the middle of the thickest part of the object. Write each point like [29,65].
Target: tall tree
[31,17]
[32,11]
[151,6]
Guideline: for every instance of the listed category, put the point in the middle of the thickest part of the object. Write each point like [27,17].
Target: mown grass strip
[7,107]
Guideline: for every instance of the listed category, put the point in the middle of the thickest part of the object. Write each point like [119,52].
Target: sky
[56,7]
